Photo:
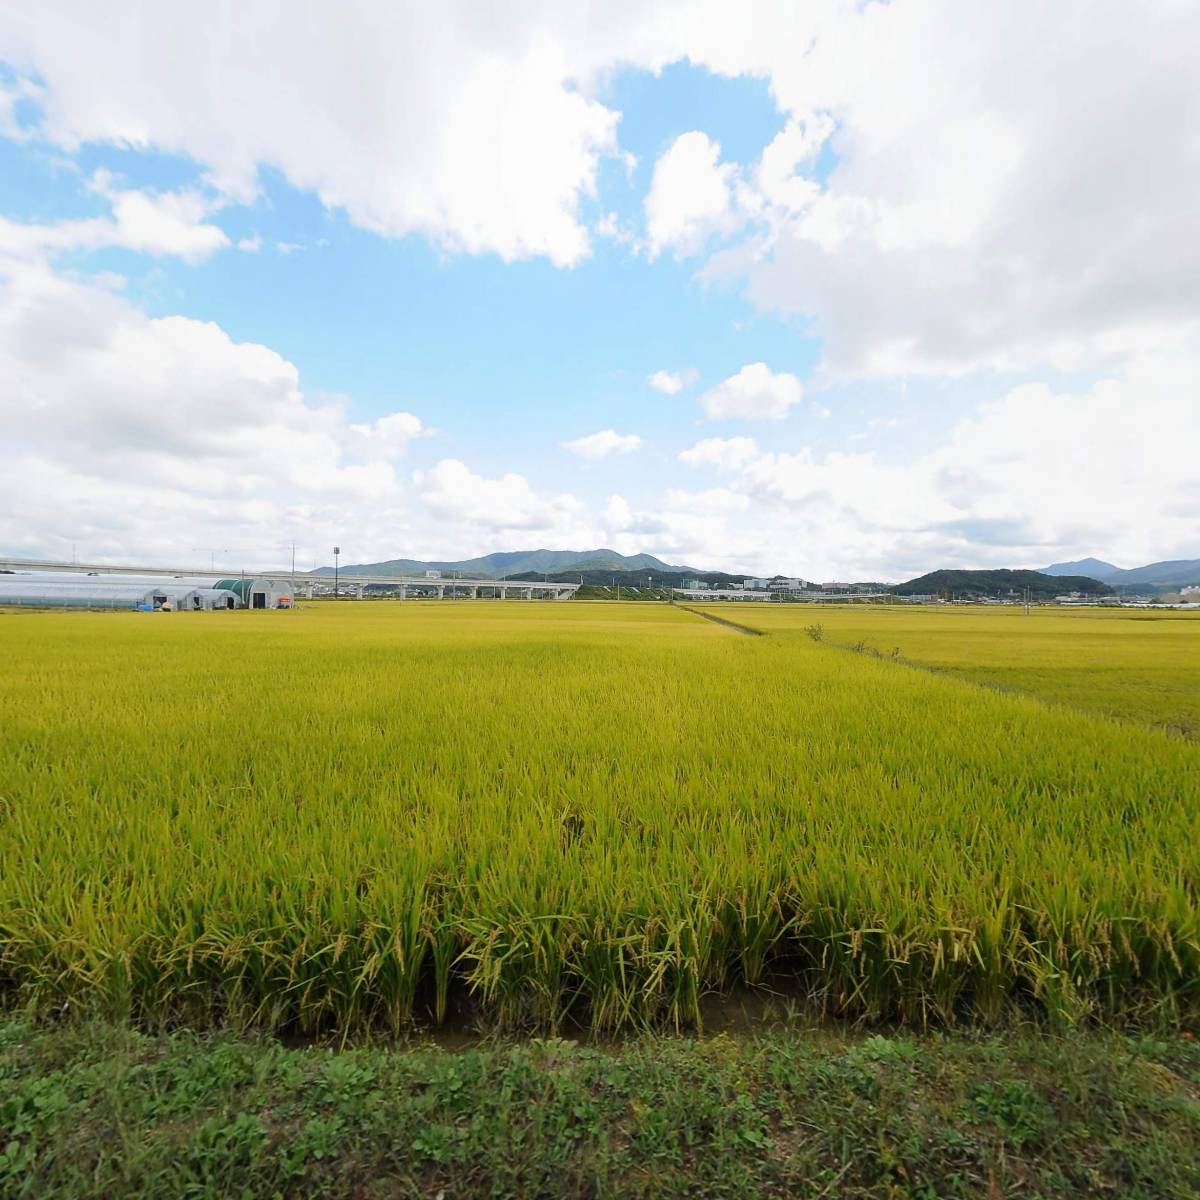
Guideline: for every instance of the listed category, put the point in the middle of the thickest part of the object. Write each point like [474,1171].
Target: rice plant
[363,815]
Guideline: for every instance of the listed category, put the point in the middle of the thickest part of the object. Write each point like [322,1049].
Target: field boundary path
[746,629]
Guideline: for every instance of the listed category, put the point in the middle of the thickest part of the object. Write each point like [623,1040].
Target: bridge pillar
[309,592]
[359,591]
[441,591]
[474,593]
[504,593]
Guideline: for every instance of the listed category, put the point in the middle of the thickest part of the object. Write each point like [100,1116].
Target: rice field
[366,815]
[1130,664]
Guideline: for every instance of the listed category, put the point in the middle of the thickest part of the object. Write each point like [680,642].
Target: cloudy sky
[838,290]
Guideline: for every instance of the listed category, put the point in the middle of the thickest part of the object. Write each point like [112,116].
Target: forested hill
[1000,583]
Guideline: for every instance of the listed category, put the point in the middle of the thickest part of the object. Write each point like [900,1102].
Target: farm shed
[208,599]
[258,591]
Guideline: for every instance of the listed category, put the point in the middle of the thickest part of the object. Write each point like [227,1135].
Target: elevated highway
[761,596]
[305,584]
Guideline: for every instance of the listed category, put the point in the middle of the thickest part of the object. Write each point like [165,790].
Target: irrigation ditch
[721,621]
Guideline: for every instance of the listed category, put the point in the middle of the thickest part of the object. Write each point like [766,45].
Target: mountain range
[511,564]
[507,564]
[1176,572]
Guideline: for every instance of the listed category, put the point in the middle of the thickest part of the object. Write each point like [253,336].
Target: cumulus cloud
[671,383]
[452,489]
[387,438]
[691,196]
[431,119]
[1037,474]
[162,223]
[755,393]
[974,215]
[929,206]
[604,443]
[160,439]
[926,208]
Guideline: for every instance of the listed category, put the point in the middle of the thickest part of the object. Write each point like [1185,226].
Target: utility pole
[337,550]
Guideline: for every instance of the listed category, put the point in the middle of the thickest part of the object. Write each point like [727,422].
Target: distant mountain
[1094,568]
[1042,586]
[1176,572]
[509,564]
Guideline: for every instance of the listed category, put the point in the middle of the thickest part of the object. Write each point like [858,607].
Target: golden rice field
[367,814]
[1139,665]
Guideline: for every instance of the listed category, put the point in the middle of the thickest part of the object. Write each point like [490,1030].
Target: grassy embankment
[100,1112]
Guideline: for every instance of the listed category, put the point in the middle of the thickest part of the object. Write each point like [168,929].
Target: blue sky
[415,304]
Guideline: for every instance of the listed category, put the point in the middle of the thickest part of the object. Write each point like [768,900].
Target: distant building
[755,584]
[433,574]
[1083,598]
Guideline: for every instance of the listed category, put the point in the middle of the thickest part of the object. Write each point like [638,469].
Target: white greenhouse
[145,593]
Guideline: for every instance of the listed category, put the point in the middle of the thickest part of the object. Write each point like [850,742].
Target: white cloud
[711,500]
[724,453]
[671,383]
[1034,476]
[683,531]
[691,196]
[604,443]
[755,393]
[250,245]
[387,438]
[953,189]
[991,191]
[451,489]
[440,120]
[160,439]
[1003,193]
[163,223]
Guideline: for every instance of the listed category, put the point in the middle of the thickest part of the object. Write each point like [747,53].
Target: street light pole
[336,552]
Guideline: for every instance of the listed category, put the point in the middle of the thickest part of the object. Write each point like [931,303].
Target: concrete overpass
[306,584]
[761,596]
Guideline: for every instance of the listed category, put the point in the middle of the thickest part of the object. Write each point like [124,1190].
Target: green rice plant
[370,815]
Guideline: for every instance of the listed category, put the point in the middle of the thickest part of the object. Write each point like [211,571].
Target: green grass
[567,814]
[101,1112]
